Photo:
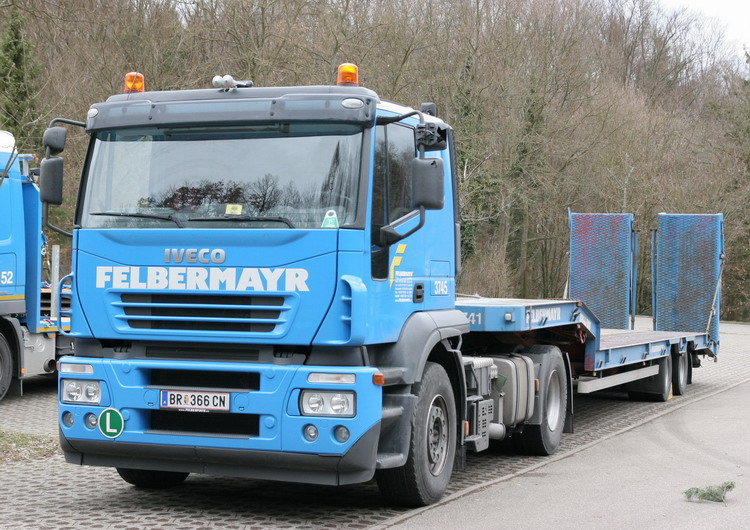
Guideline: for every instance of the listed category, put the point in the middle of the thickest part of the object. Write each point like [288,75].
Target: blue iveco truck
[29,340]
[263,285]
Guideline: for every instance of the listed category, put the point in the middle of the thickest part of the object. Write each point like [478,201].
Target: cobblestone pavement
[52,494]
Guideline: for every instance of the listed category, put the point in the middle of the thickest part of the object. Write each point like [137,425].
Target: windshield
[283,175]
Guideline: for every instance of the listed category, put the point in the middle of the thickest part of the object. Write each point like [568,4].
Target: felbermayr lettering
[202,278]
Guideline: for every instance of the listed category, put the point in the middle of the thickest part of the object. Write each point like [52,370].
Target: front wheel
[425,476]
[6,367]
[145,478]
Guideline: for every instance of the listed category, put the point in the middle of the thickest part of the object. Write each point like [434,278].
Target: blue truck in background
[29,340]
[264,285]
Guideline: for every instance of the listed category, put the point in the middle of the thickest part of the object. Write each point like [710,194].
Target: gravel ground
[40,490]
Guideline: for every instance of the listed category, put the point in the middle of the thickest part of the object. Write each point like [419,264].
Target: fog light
[67,419]
[90,420]
[311,432]
[341,433]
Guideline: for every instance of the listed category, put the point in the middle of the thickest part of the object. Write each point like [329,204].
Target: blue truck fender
[403,363]
[404,360]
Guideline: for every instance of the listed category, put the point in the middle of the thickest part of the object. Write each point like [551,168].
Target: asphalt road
[48,493]
[634,480]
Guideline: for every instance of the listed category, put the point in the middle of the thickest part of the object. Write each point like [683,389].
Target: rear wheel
[658,387]
[425,476]
[680,370]
[6,367]
[145,478]
[544,439]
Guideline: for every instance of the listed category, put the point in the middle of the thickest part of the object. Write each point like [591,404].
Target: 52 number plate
[196,401]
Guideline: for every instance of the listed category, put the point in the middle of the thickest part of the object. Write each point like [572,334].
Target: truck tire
[661,383]
[144,478]
[6,367]
[432,450]
[544,439]
[680,368]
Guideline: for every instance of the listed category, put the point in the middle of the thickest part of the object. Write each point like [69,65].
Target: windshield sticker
[233,209]
[331,220]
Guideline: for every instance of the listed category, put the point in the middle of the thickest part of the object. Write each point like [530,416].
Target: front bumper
[260,436]
[356,465]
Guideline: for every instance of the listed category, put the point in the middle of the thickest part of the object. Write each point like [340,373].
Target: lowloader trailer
[263,286]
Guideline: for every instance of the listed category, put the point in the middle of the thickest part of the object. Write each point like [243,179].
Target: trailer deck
[607,350]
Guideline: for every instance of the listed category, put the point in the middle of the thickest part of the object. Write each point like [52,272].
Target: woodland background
[593,105]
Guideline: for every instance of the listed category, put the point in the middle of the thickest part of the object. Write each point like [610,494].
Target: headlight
[81,391]
[320,403]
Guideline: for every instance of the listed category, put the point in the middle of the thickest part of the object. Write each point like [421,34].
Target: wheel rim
[553,401]
[437,435]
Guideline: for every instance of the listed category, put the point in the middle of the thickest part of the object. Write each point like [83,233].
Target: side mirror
[51,179]
[54,140]
[427,183]
[432,136]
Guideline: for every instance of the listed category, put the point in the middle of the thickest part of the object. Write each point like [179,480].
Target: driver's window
[395,148]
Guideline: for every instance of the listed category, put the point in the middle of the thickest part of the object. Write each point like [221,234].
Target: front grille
[220,381]
[260,314]
[208,351]
[206,423]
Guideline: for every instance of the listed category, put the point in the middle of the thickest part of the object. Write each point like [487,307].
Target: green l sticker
[111,423]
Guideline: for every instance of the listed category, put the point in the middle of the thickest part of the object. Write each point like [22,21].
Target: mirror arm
[388,236]
[45,222]
[66,120]
[385,120]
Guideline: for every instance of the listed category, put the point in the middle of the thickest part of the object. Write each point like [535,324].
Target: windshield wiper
[143,215]
[283,220]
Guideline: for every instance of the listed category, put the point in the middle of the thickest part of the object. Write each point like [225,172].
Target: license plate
[195,401]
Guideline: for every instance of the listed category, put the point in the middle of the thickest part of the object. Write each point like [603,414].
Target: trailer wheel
[658,387]
[6,367]
[425,476]
[544,439]
[680,368]
[145,478]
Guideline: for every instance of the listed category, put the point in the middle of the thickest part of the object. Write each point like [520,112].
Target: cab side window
[395,148]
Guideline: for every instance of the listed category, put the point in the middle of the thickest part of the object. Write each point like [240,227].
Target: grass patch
[20,447]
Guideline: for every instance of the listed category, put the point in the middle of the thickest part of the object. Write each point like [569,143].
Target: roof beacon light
[134,82]
[348,75]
